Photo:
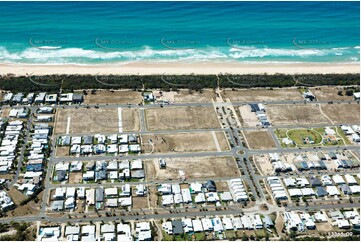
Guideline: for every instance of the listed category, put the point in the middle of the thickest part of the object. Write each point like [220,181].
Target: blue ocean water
[111,32]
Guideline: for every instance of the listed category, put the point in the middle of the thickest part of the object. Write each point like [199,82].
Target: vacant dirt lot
[181,142]
[117,96]
[62,151]
[342,113]
[181,118]
[140,202]
[192,168]
[295,114]
[329,93]
[260,139]
[262,94]
[16,195]
[31,208]
[153,196]
[184,96]
[130,120]
[85,121]
[248,118]
[75,177]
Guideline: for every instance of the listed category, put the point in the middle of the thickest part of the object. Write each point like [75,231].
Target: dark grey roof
[99,194]
[211,186]
[88,140]
[345,189]
[177,227]
[332,155]
[101,175]
[315,182]
[78,97]
[132,138]
[321,192]
[57,205]
[322,165]
[60,175]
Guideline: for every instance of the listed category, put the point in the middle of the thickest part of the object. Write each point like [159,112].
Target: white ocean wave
[79,55]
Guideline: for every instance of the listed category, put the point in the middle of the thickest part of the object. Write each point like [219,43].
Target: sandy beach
[181,68]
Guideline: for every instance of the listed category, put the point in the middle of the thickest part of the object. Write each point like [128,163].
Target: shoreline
[143,68]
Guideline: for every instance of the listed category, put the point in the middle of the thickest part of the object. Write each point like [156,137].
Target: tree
[349,92]
[339,93]
[244,237]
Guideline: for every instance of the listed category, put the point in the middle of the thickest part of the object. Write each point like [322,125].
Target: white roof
[178,198]
[207,224]
[111,191]
[107,228]
[338,179]
[295,192]
[136,164]
[289,181]
[125,201]
[227,223]
[145,235]
[124,229]
[187,225]
[196,187]
[142,226]
[332,190]
[226,196]
[176,188]
[307,191]
[319,216]
[123,148]
[200,198]
[218,227]
[70,191]
[88,229]
[237,223]
[197,225]
[355,188]
[350,179]
[72,230]
[167,200]
[186,195]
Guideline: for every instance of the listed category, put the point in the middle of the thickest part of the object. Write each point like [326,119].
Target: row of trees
[54,83]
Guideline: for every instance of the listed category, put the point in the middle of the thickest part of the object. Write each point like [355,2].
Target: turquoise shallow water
[111,32]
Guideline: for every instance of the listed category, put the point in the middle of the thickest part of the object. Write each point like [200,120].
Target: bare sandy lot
[326,93]
[342,113]
[192,168]
[4,112]
[61,151]
[75,177]
[262,94]
[248,118]
[181,142]
[184,96]
[85,121]
[116,96]
[140,202]
[260,139]
[303,114]
[263,164]
[181,118]
[130,119]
